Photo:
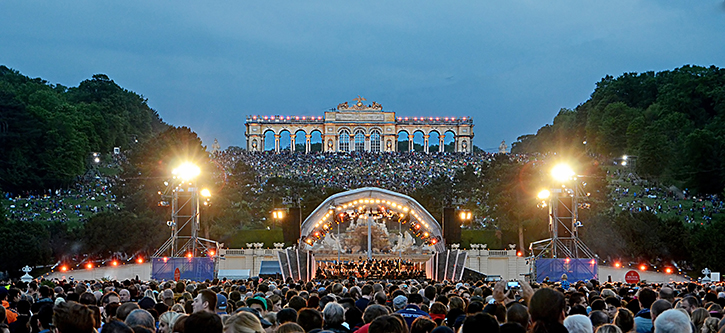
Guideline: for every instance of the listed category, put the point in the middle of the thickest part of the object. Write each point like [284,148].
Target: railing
[498,253]
[285,120]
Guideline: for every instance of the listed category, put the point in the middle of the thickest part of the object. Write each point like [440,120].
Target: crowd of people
[352,305]
[400,172]
[658,200]
[392,269]
[88,196]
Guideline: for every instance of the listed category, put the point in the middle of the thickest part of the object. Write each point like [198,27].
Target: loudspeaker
[451,226]
[291,226]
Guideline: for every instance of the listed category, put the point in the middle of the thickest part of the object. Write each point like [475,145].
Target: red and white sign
[631,277]
[177,274]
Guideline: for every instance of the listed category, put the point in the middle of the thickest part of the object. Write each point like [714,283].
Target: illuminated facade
[359,127]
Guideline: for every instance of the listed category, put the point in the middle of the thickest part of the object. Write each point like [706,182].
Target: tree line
[48,131]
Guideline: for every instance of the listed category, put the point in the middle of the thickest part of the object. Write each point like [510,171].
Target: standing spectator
[203,321]
[243,322]
[672,321]
[204,301]
[71,317]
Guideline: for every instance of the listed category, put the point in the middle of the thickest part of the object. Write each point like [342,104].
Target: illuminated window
[375,142]
[359,141]
[344,141]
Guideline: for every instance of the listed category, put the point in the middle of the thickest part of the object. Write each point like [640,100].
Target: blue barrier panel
[195,269]
[575,269]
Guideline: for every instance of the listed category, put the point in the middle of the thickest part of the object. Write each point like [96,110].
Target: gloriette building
[359,127]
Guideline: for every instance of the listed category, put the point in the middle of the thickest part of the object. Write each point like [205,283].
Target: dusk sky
[511,65]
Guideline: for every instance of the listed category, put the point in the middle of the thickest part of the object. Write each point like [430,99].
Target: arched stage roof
[391,200]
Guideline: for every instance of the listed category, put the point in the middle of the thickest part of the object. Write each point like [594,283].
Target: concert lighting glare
[617,265]
[114,263]
[189,255]
[205,193]
[544,194]
[668,270]
[139,260]
[64,268]
[89,265]
[519,254]
[212,253]
[562,172]
[642,267]
[166,259]
[187,171]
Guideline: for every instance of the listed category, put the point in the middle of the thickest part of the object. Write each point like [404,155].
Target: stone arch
[403,141]
[316,144]
[434,137]
[419,140]
[300,140]
[285,140]
[268,141]
[317,224]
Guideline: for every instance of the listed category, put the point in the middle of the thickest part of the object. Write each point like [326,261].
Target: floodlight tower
[563,203]
[184,213]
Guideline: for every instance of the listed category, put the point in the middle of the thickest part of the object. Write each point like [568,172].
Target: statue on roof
[215,147]
[503,148]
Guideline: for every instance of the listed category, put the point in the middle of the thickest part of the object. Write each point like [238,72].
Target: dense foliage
[671,122]
[48,131]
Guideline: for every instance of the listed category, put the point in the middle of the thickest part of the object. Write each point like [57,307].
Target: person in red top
[10,314]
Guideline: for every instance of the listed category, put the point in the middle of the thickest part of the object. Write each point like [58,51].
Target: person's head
[117,326]
[624,319]
[373,311]
[518,313]
[309,319]
[547,305]
[87,298]
[598,318]
[659,306]
[204,301]
[612,304]
[73,317]
[578,324]
[710,325]
[698,316]
[44,317]
[672,321]
[140,317]
[511,328]
[258,303]
[290,328]
[109,297]
[125,295]
[690,303]
[480,322]
[388,324]
[667,293]
[125,308]
[243,322]
[609,328]
[287,316]
[333,314]
[577,299]
[203,322]
[167,321]
[646,297]
[422,324]
[399,302]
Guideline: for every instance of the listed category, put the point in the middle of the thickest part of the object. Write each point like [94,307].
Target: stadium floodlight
[187,171]
[562,172]
[544,194]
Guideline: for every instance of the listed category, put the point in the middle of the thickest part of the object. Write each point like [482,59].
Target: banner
[575,269]
[173,269]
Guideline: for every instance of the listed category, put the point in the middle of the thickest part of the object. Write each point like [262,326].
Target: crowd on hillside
[693,209]
[89,195]
[400,172]
[351,305]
